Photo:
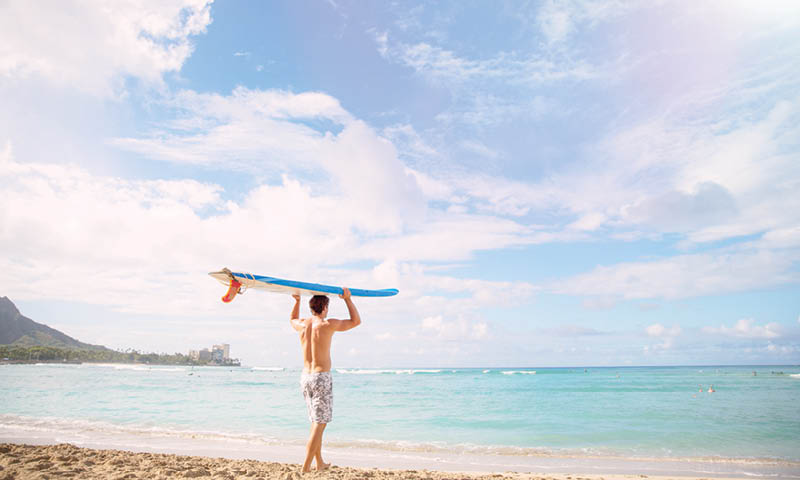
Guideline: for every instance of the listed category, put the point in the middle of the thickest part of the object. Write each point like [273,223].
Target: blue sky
[547,183]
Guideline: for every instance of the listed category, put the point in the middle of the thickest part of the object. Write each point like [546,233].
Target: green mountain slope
[17,329]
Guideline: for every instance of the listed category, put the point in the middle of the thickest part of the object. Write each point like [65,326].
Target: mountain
[18,329]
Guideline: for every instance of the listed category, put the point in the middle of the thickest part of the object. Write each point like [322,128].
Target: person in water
[316,381]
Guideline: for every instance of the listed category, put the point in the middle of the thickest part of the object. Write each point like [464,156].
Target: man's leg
[321,465]
[314,446]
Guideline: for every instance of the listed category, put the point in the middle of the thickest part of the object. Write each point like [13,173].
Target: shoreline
[64,460]
[103,434]
[360,457]
[143,364]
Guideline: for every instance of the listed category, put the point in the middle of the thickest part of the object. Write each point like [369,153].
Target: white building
[226,350]
[218,354]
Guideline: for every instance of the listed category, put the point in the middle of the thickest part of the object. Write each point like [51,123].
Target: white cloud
[382,39]
[257,130]
[600,303]
[458,329]
[92,46]
[779,238]
[557,20]
[685,276]
[747,328]
[150,243]
[573,331]
[781,349]
[590,221]
[658,330]
[487,91]
[479,330]
[488,109]
[661,176]
[708,203]
[692,164]
[478,148]
[445,66]
[427,286]
[668,336]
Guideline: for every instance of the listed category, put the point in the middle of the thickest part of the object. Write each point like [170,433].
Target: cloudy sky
[547,183]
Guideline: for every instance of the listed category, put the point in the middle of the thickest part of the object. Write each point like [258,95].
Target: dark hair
[318,303]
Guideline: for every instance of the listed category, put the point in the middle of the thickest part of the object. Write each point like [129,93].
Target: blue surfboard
[293,287]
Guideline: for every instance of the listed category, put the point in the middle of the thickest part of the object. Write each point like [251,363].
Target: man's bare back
[315,342]
[317,332]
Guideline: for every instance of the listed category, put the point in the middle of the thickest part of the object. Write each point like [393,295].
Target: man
[316,381]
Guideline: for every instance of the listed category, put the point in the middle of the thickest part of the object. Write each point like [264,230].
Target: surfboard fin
[232,291]
[235,287]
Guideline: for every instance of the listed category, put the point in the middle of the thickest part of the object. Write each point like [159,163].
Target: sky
[547,183]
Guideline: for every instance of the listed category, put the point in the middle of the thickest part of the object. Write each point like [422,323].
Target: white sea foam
[88,428]
[795,375]
[80,430]
[268,369]
[115,366]
[136,367]
[519,372]
[360,371]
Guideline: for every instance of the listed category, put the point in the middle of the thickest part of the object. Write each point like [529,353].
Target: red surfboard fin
[233,289]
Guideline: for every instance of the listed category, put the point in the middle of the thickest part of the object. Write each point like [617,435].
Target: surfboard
[293,287]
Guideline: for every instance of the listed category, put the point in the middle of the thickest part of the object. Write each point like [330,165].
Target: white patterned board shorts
[317,389]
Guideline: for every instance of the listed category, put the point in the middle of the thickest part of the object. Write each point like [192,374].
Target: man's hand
[355,318]
[295,318]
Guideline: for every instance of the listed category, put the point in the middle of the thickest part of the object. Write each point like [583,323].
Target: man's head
[319,305]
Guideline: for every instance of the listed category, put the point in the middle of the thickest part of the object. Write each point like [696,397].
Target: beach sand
[22,462]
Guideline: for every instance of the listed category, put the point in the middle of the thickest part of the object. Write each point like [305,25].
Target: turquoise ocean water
[626,412]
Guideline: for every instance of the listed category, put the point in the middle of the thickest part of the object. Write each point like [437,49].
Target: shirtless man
[316,381]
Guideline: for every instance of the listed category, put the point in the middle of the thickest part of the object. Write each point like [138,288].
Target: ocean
[522,416]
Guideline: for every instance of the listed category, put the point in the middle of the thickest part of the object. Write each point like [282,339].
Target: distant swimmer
[701,387]
[711,389]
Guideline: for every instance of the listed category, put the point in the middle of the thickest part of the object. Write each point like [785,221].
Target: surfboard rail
[282,285]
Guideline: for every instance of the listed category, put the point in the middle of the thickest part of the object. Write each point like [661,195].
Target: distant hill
[17,329]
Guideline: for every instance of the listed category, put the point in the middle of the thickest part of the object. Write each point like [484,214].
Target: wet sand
[22,462]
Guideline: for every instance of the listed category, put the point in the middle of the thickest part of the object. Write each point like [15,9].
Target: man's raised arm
[355,318]
[297,324]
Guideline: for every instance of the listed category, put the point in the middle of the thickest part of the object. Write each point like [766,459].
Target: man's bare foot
[324,466]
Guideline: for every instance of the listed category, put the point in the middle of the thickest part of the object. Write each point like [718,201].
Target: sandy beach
[21,462]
